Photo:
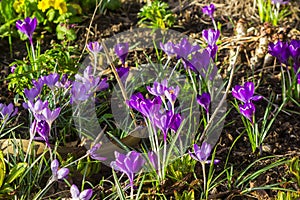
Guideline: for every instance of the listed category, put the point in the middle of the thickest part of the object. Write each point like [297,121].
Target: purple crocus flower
[280,50]
[94,47]
[8,111]
[94,153]
[13,68]
[103,85]
[281,2]
[158,89]
[77,195]
[168,48]
[211,36]
[167,121]
[37,107]
[129,164]
[145,106]
[57,173]
[171,93]
[202,154]
[123,73]
[43,129]
[32,93]
[204,100]
[49,116]
[247,110]
[209,10]
[153,159]
[27,27]
[184,49]
[294,49]
[51,80]
[200,62]
[79,92]
[121,50]
[245,93]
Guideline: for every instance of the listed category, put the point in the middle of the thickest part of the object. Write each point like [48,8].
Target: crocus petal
[62,173]
[74,191]
[86,194]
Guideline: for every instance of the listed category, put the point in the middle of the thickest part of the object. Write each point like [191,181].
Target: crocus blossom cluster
[84,86]
[43,115]
[27,27]
[193,57]
[130,164]
[77,195]
[245,95]
[202,153]
[58,173]
[164,119]
[284,51]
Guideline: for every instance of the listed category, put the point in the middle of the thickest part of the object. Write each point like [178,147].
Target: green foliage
[269,12]
[294,168]
[156,15]
[181,167]
[59,58]
[287,195]
[6,180]
[186,195]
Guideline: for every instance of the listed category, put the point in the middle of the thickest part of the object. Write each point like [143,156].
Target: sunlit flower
[121,50]
[209,10]
[94,47]
[61,6]
[43,5]
[95,153]
[245,93]
[247,110]
[280,50]
[7,111]
[201,154]
[129,164]
[27,27]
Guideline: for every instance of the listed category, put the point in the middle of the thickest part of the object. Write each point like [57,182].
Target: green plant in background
[294,168]
[156,15]
[272,10]
[6,181]
[287,195]
[59,58]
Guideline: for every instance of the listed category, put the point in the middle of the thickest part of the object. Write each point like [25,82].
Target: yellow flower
[61,6]
[43,5]
[18,5]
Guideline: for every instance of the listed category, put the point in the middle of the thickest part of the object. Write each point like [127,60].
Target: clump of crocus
[130,164]
[121,50]
[84,86]
[246,95]
[58,173]
[204,101]
[77,195]
[27,27]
